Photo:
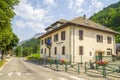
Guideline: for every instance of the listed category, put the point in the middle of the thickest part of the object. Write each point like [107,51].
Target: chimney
[84,16]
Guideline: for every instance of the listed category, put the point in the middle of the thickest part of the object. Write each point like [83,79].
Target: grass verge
[2,63]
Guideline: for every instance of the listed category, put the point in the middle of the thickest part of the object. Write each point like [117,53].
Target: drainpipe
[73,44]
[70,45]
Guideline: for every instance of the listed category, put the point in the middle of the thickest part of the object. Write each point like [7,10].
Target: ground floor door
[100,56]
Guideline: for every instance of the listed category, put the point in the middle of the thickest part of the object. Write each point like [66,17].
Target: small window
[63,50]
[80,34]
[90,53]
[51,38]
[45,50]
[109,40]
[41,42]
[41,51]
[99,38]
[45,40]
[63,35]
[81,50]
[108,53]
[55,37]
[55,50]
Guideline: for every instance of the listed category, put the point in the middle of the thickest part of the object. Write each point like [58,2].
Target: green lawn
[1,63]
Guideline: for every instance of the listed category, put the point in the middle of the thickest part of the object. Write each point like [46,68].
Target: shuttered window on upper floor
[56,38]
[63,35]
[80,34]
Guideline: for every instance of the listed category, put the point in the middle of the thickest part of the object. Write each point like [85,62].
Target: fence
[103,69]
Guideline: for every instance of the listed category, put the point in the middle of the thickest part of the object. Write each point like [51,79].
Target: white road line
[10,74]
[1,74]
[27,73]
[76,78]
[61,78]
[18,73]
[49,79]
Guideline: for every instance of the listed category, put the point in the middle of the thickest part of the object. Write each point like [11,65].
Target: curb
[4,64]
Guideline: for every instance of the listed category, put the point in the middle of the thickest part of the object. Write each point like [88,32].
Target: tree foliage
[7,38]
[109,17]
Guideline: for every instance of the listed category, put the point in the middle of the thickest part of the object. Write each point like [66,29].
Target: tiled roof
[90,24]
[84,22]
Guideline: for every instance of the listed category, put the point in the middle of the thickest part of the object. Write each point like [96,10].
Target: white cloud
[20,24]
[50,2]
[75,5]
[32,17]
[97,4]
[70,5]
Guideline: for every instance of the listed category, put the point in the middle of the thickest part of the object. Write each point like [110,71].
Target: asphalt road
[19,69]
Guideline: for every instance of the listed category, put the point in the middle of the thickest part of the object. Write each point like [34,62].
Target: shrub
[33,56]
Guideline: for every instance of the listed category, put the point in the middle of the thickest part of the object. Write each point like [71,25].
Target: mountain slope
[109,17]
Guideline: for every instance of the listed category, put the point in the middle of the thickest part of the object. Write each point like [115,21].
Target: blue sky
[32,16]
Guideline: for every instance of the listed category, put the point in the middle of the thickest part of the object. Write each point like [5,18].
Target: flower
[48,59]
[102,62]
[63,61]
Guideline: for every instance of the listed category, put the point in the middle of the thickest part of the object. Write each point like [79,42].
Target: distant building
[118,48]
[78,40]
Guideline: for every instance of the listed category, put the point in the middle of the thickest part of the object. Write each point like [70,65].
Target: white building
[77,40]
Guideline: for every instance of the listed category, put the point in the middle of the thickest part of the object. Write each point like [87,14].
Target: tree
[109,17]
[6,14]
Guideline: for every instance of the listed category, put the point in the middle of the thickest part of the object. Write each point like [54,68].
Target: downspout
[73,44]
[70,45]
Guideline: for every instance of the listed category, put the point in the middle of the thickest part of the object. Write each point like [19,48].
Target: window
[81,50]
[63,50]
[41,51]
[42,42]
[109,40]
[55,37]
[63,35]
[90,53]
[45,50]
[45,40]
[99,38]
[80,34]
[109,51]
[55,50]
[51,38]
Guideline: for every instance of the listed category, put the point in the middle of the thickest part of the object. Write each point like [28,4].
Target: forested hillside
[31,46]
[109,17]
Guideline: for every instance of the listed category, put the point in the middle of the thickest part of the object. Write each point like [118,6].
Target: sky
[33,16]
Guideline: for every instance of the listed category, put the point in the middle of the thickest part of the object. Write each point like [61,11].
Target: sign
[59,43]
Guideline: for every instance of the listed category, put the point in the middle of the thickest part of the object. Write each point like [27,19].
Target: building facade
[77,40]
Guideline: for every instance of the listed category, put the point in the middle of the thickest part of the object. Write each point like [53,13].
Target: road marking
[1,74]
[61,78]
[49,79]
[27,73]
[76,78]
[10,74]
[18,73]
